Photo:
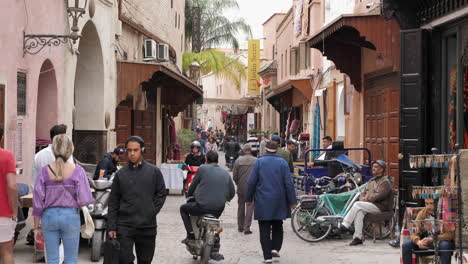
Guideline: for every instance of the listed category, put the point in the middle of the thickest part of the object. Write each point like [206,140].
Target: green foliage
[215,28]
[218,62]
[185,138]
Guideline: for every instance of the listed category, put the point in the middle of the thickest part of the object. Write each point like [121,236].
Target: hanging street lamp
[34,43]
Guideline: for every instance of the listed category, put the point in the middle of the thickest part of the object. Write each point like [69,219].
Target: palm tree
[215,28]
[217,62]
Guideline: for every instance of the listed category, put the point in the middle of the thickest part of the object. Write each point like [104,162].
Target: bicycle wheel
[306,225]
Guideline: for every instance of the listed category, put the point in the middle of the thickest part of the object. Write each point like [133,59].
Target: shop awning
[342,39]
[303,85]
[177,91]
[282,97]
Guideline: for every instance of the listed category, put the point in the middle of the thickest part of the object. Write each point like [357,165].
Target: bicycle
[316,216]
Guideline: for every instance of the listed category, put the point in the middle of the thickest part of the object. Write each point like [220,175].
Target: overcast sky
[258,11]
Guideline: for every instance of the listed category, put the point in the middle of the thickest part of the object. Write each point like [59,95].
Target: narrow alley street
[239,248]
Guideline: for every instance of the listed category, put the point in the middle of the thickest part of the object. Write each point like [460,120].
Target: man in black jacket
[108,164]
[138,194]
[211,188]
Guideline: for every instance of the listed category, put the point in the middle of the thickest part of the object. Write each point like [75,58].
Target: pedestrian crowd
[262,174]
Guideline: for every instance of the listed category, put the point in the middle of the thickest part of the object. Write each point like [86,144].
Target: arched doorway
[89,134]
[47,111]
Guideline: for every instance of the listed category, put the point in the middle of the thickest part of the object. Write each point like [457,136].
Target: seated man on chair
[376,198]
[423,239]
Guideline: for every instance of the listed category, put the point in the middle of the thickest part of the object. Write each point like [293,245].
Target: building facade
[337,72]
[85,84]
[32,86]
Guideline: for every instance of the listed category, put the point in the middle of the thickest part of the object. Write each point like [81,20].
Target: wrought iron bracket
[33,44]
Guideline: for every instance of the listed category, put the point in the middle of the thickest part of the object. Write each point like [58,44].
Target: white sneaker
[275,253]
[268,261]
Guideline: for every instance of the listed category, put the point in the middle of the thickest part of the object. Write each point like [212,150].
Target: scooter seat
[209,216]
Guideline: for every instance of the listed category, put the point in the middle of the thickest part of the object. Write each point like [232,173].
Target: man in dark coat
[240,173]
[138,194]
[271,186]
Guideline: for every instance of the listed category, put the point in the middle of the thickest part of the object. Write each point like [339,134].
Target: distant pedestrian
[203,138]
[286,155]
[241,172]
[61,188]
[211,144]
[292,148]
[296,149]
[254,144]
[8,203]
[270,187]
[263,141]
[138,194]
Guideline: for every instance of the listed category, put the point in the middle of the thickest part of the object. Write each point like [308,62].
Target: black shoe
[247,232]
[240,230]
[395,243]
[216,257]
[356,242]
[343,229]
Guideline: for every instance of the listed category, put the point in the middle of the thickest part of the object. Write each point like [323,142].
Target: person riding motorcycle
[211,188]
[231,149]
[195,158]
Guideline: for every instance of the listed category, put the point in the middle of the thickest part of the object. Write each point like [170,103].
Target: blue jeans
[61,224]
[203,146]
[445,257]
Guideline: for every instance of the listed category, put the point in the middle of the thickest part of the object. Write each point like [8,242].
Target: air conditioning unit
[149,52]
[163,52]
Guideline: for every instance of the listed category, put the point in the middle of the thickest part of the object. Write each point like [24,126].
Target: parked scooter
[98,210]
[206,229]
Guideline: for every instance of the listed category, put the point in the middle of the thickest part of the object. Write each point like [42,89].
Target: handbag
[87,229]
[111,251]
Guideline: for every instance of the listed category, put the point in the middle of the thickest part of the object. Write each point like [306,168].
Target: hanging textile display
[316,136]
[452,111]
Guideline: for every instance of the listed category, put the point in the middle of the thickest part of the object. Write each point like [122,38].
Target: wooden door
[2,108]
[144,124]
[412,106]
[381,111]
[123,123]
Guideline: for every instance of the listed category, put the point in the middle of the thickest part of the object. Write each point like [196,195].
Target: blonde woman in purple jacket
[61,188]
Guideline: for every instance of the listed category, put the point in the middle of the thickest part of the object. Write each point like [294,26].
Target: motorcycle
[206,229]
[98,211]
[191,171]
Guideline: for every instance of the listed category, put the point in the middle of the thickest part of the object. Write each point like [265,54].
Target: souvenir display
[448,212]
[430,161]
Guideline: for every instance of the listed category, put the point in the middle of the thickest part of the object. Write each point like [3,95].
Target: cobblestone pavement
[241,249]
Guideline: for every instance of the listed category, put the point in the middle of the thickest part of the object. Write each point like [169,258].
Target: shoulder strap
[53,172]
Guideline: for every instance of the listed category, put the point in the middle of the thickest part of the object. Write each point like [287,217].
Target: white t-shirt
[322,156]
[43,158]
